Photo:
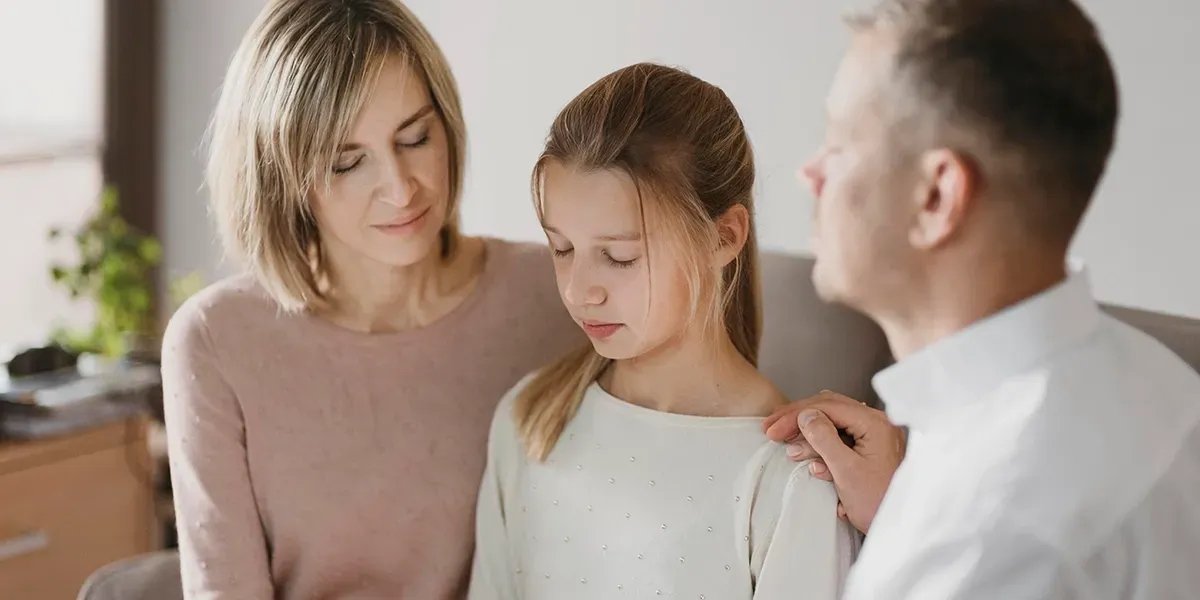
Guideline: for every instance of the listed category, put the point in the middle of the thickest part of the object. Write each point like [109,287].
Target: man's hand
[860,472]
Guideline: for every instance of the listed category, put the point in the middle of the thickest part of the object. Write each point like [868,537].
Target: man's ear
[948,190]
[733,229]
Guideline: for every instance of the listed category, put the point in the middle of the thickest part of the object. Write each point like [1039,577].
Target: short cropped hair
[290,97]
[1030,77]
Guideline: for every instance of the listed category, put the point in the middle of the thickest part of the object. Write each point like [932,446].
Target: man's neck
[955,299]
[694,376]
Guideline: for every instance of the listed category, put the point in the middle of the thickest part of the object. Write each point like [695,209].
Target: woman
[328,412]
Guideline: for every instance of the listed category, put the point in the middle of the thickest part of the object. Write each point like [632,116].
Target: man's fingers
[821,434]
[820,471]
[846,413]
[800,451]
[781,426]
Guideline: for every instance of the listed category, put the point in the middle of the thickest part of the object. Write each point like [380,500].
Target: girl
[636,466]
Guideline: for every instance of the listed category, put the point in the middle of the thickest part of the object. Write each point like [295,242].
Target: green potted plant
[114,272]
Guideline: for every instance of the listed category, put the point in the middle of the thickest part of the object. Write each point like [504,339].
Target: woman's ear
[733,228]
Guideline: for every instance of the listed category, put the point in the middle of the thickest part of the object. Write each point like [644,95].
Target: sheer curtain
[51,108]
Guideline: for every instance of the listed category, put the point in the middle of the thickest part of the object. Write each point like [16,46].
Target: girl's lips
[600,330]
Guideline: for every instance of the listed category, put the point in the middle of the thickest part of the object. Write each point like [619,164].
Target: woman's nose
[397,186]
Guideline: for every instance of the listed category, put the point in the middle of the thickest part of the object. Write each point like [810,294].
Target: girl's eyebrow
[629,236]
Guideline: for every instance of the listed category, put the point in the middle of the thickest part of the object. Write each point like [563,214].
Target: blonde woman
[328,411]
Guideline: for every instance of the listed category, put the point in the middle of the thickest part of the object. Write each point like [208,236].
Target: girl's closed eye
[561,253]
[620,263]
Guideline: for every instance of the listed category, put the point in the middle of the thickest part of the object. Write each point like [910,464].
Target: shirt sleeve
[1000,562]
[222,548]
[810,550]
[493,574]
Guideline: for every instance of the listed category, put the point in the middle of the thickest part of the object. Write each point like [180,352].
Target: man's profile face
[859,181]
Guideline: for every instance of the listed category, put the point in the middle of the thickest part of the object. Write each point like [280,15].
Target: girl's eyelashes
[620,263]
[608,257]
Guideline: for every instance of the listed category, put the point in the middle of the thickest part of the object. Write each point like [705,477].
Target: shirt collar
[941,379]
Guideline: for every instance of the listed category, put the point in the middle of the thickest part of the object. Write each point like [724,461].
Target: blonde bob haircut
[290,98]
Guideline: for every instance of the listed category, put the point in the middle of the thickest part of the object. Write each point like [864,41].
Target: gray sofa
[807,346]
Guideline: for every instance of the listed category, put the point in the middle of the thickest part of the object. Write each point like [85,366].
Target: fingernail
[816,468]
[807,417]
[794,452]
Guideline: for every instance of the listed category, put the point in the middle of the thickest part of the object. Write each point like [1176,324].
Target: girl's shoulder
[773,474]
[776,481]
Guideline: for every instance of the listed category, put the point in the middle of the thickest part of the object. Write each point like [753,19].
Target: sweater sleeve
[808,551]
[222,547]
[493,575]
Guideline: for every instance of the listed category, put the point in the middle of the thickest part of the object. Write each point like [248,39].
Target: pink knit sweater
[312,462]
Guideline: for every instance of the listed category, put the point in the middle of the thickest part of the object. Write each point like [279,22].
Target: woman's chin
[404,251]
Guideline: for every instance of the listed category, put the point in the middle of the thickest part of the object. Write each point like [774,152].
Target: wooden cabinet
[71,505]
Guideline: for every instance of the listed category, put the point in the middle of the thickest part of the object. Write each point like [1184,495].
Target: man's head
[958,130]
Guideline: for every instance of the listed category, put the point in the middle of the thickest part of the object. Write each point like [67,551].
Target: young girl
[636,466]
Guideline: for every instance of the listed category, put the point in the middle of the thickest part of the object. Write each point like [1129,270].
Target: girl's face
[628,300]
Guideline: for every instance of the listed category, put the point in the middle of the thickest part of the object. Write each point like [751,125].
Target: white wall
[519,61]
[199,39]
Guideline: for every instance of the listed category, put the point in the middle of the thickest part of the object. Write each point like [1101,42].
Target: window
[51,129]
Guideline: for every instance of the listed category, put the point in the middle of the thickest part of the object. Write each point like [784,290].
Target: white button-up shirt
[1054,452]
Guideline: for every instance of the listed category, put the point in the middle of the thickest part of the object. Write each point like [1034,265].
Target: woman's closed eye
[414,141]
[345,166]
[349,164]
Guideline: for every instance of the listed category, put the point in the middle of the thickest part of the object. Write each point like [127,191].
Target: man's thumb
[820,433]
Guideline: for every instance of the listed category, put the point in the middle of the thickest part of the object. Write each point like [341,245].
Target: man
[1052,452]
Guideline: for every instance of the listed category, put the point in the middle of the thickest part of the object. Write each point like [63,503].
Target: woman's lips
[404,226]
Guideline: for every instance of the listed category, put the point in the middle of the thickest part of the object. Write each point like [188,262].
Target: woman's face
[389,189]
[605,277]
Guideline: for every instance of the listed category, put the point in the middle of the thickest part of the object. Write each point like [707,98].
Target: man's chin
[825,289]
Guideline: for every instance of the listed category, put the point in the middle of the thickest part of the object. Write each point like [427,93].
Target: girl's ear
[733,227]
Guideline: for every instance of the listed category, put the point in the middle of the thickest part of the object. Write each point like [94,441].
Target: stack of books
[60,402]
